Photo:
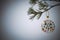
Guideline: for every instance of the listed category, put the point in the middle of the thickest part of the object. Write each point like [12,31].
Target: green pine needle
[33,1]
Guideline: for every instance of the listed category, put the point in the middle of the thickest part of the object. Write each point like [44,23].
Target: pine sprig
[39,14]
[43,5]
[31,11]
[33,1]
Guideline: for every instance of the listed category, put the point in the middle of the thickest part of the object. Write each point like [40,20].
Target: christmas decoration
[47,25]
[43,5]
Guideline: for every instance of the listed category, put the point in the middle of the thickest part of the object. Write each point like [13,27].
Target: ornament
[48,25]
[39,7]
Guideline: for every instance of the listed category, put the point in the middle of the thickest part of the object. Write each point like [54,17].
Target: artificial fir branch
[52,7]
[42,6]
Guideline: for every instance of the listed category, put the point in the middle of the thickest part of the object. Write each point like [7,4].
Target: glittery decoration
[48,26]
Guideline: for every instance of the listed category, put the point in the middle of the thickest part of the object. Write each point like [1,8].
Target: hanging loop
[47,14]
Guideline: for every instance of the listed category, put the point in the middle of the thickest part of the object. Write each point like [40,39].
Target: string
[47,14]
